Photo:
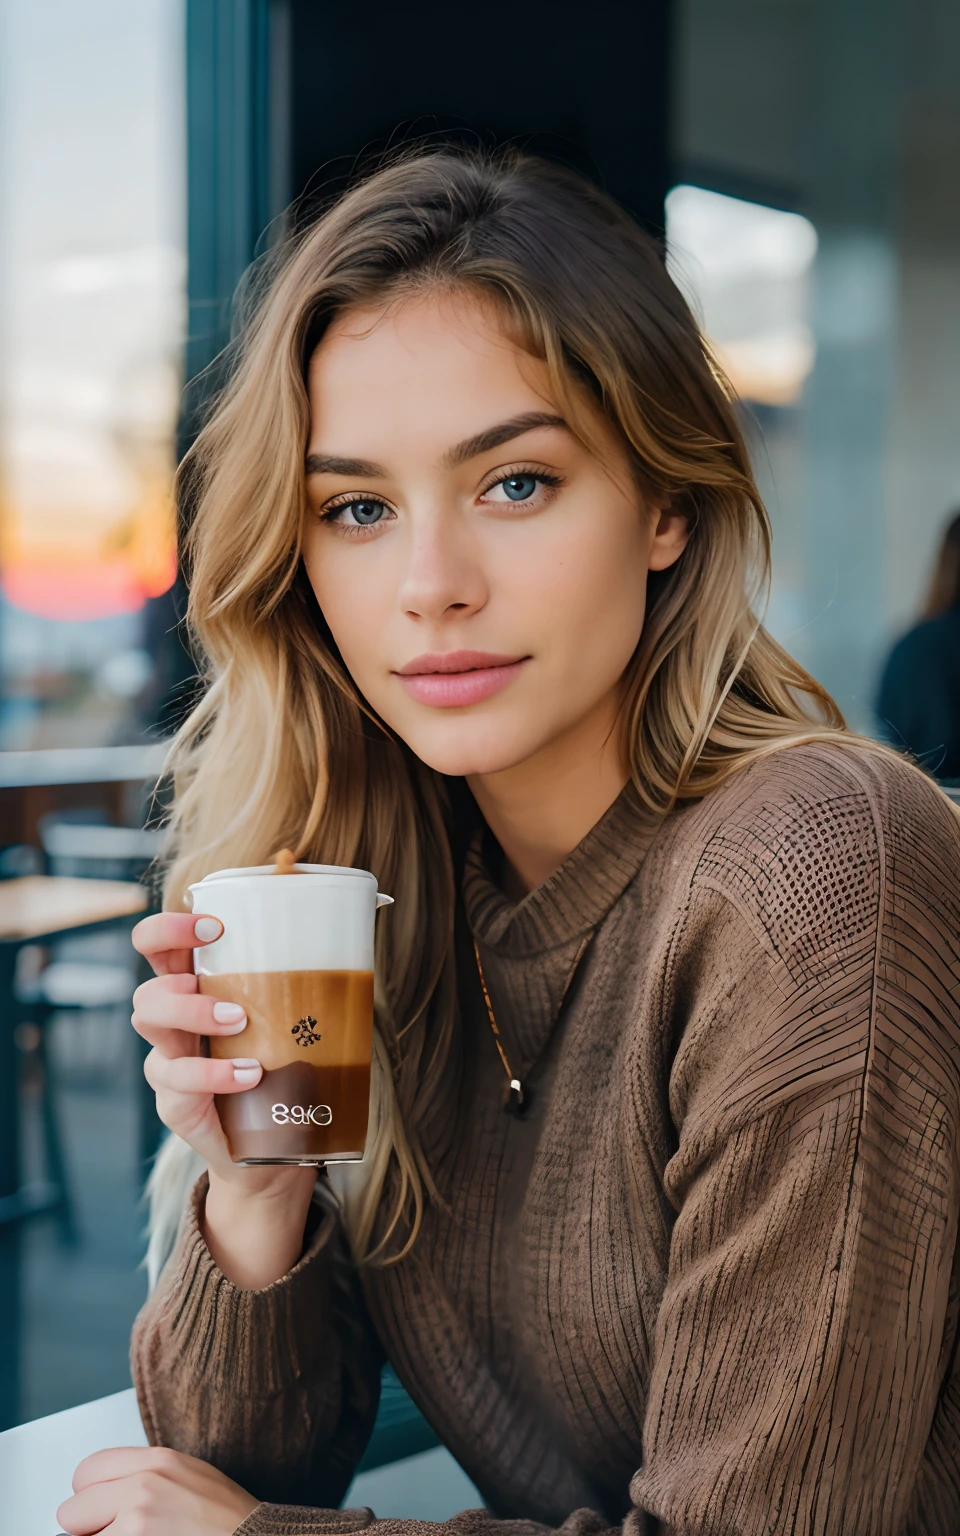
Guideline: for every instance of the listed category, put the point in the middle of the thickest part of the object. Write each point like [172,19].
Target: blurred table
[36,909]
[45,907]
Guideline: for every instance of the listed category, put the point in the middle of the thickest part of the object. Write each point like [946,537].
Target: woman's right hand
[173,1017]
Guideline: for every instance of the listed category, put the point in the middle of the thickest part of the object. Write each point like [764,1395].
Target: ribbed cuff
[290,1520]
[251,1343]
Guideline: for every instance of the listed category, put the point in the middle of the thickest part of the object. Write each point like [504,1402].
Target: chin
[462,747]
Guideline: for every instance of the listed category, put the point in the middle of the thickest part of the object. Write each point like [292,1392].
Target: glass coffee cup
[297,954]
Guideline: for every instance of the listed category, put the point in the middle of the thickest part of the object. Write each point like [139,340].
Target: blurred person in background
[919,703]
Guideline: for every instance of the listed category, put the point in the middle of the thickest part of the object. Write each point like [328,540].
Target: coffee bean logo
[306,1033]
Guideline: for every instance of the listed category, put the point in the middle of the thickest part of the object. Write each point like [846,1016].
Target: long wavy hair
[283,750]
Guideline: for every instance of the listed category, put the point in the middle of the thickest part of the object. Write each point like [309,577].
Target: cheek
[584,589]
[354,608]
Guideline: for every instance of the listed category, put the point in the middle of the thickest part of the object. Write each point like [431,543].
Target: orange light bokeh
[68,569]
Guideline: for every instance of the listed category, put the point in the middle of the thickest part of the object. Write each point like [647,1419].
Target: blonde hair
[282,750]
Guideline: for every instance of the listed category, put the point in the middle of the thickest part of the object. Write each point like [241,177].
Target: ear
[671,530]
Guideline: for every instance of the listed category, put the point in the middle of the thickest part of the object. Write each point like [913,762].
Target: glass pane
[92,259]
[846,116]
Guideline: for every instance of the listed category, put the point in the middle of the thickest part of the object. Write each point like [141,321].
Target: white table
[37,1462]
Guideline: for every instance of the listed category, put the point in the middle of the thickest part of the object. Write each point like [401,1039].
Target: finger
[200,1074]
[194,1118]
[176,984]
[173,1003]
[168,939]
[93,1510]
[124,1461]
[146,1500]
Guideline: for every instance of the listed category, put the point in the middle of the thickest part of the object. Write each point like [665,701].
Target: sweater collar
[575,899]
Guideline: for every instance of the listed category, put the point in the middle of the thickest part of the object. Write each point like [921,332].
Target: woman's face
[482,572]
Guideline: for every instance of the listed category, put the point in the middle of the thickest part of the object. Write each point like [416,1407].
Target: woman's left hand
[139,1492]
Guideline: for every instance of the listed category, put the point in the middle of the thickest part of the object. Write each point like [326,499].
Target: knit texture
[708,1285]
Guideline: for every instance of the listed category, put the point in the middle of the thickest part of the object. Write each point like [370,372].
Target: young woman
[658,1222]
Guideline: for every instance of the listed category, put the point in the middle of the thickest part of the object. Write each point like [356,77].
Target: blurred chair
[79,844]
[82,843]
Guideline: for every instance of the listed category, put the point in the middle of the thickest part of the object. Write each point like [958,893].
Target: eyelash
[547,479]
[350,499]
[515,471]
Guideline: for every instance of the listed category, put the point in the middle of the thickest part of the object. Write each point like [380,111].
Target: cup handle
[384,901]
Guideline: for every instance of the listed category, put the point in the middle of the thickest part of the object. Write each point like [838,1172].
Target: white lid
[322,919]
[271,869]
[228,885]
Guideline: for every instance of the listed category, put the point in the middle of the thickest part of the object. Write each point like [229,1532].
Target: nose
[443,573]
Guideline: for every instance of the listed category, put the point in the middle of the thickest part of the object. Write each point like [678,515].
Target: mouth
[452,679]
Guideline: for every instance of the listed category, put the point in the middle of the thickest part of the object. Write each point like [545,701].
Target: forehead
[436,366]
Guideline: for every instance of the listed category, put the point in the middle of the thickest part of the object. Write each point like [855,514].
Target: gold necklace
[516,1095]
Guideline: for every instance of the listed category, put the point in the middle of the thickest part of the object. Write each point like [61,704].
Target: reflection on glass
[93,278]
[747,270]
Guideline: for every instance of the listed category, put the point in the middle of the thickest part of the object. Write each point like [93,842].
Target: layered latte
[297,954]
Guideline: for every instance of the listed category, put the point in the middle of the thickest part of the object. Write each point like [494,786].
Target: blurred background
[800,158]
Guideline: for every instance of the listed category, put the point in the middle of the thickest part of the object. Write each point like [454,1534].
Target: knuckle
[164,1461]
[141,1022]
[139,1520]
[166,1111]
[142,1495]
[181,1074]
[145,934]
[151,992]
[153,1069]
[142,1025]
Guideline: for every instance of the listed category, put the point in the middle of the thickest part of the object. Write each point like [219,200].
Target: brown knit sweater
[710,1283]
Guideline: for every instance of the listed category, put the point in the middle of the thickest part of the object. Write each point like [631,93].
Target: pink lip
[447,679]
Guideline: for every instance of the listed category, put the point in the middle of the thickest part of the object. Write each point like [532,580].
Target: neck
[542,808]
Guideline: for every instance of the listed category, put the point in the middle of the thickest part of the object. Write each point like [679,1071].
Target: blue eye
[520,487]
[366,512]
[358,512]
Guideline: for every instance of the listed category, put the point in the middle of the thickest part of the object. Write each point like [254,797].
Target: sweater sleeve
[279,1387]
[808,1327]
[806,1336]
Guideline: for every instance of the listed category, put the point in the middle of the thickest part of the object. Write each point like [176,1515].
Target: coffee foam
[321,918]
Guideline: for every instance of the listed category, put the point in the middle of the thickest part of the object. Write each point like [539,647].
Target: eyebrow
[461,453]
[495,437]
[332,464]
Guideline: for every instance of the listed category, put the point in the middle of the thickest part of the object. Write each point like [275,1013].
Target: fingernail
[245,1070]
[207,929]
[229,1013]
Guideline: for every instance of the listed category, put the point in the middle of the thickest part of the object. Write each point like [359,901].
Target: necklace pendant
[516,1098]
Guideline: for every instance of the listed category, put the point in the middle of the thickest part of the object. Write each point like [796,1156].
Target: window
[92,256]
